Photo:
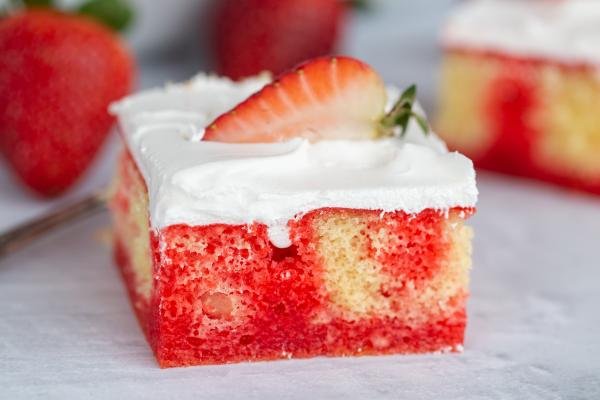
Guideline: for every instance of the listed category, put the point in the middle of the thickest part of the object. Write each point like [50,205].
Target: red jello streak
[278,293]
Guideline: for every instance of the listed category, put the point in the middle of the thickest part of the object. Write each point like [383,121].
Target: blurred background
[172,41]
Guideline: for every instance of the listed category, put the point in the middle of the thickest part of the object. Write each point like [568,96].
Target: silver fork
[23,234]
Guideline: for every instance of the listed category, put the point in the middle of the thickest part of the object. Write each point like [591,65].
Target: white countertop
[67,330]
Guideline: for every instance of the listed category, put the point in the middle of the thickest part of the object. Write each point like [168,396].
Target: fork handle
[23,234]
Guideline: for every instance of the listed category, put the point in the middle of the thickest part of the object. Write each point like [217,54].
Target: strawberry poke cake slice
[520,88]
[311,215]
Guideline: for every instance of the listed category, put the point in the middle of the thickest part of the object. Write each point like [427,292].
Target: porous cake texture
[352,282]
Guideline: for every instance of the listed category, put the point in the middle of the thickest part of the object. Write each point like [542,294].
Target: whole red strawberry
[252,36]
[58,74]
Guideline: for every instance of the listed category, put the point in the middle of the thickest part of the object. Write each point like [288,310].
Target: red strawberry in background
[252,36]
[58,74]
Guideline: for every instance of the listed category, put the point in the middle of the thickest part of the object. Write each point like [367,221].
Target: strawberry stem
[116,14]
[401,114]
[358,4]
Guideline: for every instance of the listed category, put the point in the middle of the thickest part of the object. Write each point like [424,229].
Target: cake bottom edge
[445,336]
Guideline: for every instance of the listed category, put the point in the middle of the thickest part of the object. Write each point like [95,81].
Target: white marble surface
[67,331]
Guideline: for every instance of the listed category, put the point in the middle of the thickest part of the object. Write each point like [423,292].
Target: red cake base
[281,326]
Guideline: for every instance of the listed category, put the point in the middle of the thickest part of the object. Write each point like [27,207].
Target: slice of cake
[304,221]
[520,88]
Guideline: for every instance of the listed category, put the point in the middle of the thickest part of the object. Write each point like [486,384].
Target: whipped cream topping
[567,30]
[199,183]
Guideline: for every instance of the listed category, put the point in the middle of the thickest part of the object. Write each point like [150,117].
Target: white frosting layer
[198,183]
[567,30]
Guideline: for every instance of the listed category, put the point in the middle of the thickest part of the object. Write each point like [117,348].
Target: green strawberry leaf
[116,14]
[401,114]
[359,4]
[37,3]
[422,122]
[402,121]
[409,95]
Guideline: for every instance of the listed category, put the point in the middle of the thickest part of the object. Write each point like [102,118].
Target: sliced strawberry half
[325,98]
